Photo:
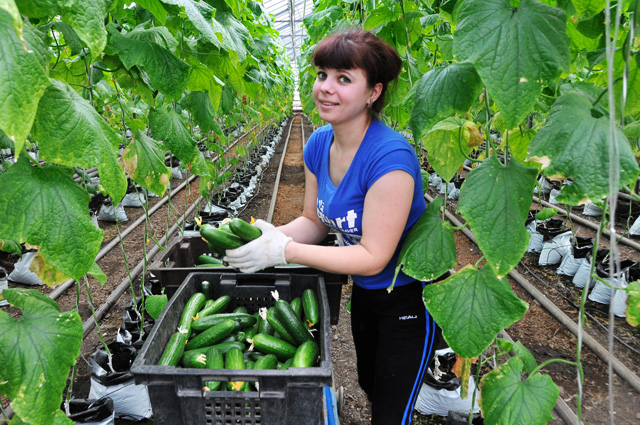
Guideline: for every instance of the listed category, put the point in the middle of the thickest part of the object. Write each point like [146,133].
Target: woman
[363,180]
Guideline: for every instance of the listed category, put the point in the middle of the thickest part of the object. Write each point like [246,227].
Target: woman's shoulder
[387,138]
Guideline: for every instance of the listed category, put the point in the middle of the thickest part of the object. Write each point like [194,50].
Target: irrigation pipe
[272,205]
[623,371]
[90,323]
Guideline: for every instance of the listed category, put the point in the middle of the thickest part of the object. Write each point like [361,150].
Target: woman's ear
[375,92]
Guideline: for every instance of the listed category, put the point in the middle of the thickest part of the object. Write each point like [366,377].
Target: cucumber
[212,335]
[265,328]
[193,306]
[240,309]
[215,306]
[194,360]
[244,230]
[222,347]
[271,345]
[207,289]
[220,239]
[215,360]
[286,365]
[174,350]
[244,320]
[305,355]
[279,326]
[296,305]
[215,248]
[310,306]
[205,259]
[234,360]
[288,317]
[269,361]
[250,333]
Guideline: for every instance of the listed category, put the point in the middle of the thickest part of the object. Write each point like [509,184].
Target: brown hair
[356,48]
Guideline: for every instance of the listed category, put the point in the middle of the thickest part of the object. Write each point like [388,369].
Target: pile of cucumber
[229,235]
[211,337]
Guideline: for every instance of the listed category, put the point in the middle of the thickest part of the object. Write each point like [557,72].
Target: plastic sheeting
[21,272]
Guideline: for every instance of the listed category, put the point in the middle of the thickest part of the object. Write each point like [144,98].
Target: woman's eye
[321,75]
[344,79]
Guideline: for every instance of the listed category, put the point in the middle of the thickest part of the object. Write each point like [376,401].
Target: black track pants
[394,338]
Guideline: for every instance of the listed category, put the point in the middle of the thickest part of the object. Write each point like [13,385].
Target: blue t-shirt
[340,207]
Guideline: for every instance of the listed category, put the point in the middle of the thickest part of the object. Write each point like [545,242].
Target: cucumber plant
[548,87]
[79,80]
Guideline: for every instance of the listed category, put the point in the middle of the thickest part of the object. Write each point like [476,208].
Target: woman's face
[341,95]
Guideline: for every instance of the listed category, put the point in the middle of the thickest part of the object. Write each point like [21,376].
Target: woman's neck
[349,135]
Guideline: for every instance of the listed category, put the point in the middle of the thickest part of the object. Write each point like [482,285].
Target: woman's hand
[266,251]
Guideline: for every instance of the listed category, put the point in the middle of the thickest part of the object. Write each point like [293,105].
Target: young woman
[363,180]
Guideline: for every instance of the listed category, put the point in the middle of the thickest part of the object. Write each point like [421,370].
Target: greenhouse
[296,212]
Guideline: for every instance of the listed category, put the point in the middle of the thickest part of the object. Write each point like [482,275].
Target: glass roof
[287,19]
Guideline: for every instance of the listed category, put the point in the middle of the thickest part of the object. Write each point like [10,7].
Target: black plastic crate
[285,397]
[179,259]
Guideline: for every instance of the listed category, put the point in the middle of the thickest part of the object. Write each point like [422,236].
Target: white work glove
[266,251]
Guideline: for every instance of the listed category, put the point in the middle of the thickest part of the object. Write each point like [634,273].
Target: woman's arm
[307,229]
[386,210]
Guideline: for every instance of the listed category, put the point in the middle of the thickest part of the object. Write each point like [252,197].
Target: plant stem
[95,319]
[534,371]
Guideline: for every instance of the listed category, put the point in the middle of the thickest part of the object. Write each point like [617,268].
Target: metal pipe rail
[272,205]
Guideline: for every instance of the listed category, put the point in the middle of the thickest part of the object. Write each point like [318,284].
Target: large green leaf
[86,17]
[633,303]
[143,160]
[23,79]
[37,351]
[72,133]
[515,50]
[632,105]
[471,307]
[203,79]
[158,35]
[574,143]
[495,200]
[589,8]
[199,13]
[429,250]
[199,104]
[443,92]
[234,34]
[70,38]
[507,399]
[43,206]
[448,143]
[519,144]
[166,72]
[156,8]
[38,8]
[10,7]
[169,127]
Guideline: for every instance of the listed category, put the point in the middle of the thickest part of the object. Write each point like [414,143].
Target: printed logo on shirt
[345,224]
[408,317]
